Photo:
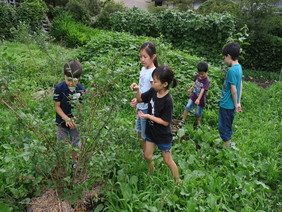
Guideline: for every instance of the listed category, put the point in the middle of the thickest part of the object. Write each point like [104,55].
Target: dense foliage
[32,12]
[218,6]
[213,179]
[264,53]
[108,8]
[71,33]
[264,24]
[185,30]
[7,20]
[27,12]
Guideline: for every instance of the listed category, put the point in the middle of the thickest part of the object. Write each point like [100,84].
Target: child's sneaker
[233,146]
[181,123]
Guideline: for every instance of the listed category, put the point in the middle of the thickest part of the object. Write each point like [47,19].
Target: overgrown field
[247,179]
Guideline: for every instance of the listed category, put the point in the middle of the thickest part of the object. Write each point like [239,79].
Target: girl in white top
[149,62]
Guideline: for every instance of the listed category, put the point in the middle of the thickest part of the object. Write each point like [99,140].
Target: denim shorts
[225,121]
[68,135]
[199,109]
[162,147]
[141,124]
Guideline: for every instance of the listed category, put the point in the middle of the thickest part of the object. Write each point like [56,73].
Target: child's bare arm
[153,118]
[135,87]
[197,102]
[191,89]
[234,97]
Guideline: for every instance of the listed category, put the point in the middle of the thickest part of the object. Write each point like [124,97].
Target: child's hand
[70,123]
[134,86]
[142,115]
[133,102]
[189,91]
[197,102]
[239,108]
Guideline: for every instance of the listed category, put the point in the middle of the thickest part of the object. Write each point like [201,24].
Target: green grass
[263,75]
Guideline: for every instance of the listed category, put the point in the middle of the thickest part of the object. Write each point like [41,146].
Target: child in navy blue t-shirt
[64,93]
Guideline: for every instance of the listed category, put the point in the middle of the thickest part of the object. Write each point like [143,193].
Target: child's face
[228,60]
[157,85]
[71,82]
[146,60]
[202,74]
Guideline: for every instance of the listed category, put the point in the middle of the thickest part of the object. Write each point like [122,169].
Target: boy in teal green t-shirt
[230,100]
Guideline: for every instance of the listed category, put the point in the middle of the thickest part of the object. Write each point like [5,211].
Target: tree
[258,15]
[218,6]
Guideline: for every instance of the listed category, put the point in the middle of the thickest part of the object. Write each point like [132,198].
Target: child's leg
[199,113]
[227,143]
[188,107]
[199,120]
[171,164]
[75,141]
[225,122]
[148,154]
[185,114]
[143,129]
[138,128]
[62,134]
[74,136]
[142,141]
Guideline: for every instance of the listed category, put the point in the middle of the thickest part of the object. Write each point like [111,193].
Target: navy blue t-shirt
[161,108]
[63,94]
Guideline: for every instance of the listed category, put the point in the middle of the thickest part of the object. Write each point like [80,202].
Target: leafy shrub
[79,12]
[108,8]
[55,11]
[32,12]
[185,30]
[7,20]
[264,53]
[72,33]
[127,22]
[218,6]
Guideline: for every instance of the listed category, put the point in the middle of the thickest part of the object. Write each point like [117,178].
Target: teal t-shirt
[233,77]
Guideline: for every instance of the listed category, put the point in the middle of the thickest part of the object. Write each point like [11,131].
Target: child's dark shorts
[162,147]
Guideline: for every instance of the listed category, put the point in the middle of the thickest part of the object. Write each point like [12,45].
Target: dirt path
[142,4]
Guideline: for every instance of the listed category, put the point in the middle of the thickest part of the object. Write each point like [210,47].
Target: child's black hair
[165,74]
[73,69]
[203,67]
[150,48]
[233,49]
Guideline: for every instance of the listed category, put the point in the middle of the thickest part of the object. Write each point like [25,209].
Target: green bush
[185,30]
[7,20]
[264,53]
[72,33]
[218,6]
[200,35]
[108,8]
[79,12]
[32,12]
[136,22]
